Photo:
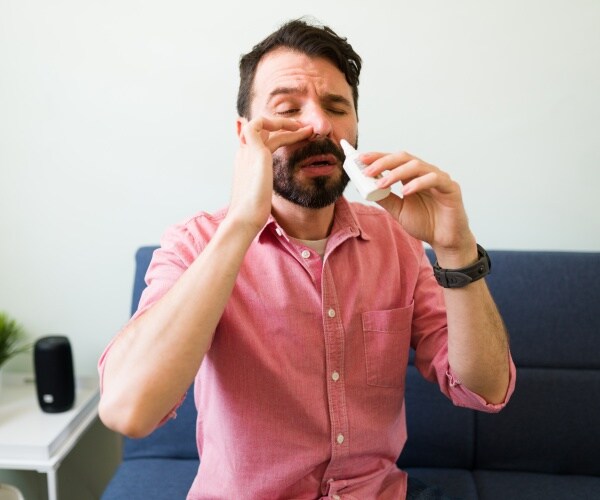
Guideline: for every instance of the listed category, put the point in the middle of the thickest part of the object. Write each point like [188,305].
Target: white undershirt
[317,245]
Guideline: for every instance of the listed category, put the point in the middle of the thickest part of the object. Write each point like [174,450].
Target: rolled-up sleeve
[462,396]
[430,341]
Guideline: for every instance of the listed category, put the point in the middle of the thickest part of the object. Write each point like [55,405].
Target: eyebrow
[328,98]
[286,91]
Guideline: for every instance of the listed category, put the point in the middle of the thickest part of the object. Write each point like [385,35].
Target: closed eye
[288,112]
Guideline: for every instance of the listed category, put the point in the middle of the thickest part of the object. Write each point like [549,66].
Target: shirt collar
[345,224]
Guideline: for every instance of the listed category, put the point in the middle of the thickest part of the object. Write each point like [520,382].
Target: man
[294,309]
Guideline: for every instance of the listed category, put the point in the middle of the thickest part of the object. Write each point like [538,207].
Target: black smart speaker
[54,378]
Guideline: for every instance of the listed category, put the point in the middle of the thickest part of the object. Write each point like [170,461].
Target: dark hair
[311,39]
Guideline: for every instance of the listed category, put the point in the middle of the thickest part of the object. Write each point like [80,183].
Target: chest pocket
[387,340]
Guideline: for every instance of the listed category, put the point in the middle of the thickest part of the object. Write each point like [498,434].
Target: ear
[239,124]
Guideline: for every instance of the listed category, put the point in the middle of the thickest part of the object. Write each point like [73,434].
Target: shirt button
[331,313]
[340,438]
[305,254]
[335,376]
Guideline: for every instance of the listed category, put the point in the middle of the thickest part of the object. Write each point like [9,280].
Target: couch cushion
[531,486]
[550,425]
[439,434]
[175,439]
[457,483]
[152,479]
[494,485]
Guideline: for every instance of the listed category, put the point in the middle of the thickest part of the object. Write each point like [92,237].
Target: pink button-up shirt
[301,394]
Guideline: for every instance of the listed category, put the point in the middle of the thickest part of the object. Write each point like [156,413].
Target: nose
[319,120]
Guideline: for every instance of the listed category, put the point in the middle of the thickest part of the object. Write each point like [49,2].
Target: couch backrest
[549,302]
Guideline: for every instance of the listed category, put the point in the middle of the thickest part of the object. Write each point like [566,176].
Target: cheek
[284,153]
[279,155]
[280,159]
[347,131]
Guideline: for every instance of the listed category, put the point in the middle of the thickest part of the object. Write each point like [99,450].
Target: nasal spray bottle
[366,186]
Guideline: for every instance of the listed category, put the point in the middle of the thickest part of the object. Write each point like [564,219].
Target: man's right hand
[253,177]
[156,356]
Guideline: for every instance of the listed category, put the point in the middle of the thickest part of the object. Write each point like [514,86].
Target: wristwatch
[457,278]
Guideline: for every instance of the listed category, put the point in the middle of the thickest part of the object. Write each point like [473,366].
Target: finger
[259,130]
[439,181]
[380,162]
[404,173]
[273,124]
[392,204]
[278,139]
[415,169]
[253,129]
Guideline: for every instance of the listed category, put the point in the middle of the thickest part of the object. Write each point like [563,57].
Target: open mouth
[318,166]
[320,162]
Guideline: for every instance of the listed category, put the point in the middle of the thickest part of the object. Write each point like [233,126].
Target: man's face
[313,92]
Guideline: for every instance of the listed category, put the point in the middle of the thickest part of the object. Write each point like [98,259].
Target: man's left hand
[432,209]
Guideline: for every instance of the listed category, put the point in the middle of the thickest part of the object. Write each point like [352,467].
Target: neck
[302,223]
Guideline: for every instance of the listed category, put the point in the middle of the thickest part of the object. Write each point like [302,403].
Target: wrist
[462,276]
[456,257]
[239,228]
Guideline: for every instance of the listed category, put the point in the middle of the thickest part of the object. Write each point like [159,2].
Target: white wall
[117,119]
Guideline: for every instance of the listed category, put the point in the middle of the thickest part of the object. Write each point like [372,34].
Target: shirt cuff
[462,396]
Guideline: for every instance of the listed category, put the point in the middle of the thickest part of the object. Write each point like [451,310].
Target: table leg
[52,477]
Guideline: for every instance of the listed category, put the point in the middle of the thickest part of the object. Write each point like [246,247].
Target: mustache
[320,147]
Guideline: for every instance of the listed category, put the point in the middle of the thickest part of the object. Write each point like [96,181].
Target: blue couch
[544,445]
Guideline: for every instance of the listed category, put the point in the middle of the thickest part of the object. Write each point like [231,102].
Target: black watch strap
[457,278]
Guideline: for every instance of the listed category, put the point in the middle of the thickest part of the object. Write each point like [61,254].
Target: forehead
[284,67]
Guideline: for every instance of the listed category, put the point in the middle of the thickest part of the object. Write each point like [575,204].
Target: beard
[316,192]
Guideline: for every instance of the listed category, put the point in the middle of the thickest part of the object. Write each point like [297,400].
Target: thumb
[392,204]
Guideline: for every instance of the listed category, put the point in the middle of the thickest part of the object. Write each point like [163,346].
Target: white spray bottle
[366,186]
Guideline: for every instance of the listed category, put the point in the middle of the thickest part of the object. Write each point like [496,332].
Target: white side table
[33,440]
